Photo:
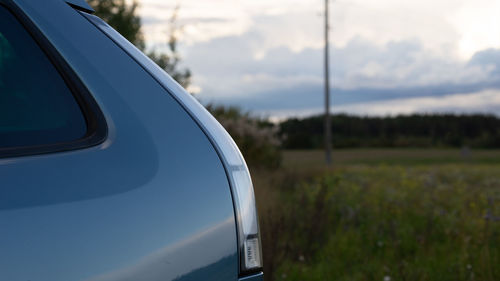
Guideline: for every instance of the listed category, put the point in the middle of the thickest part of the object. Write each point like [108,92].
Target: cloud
[456,28]
[267,55]
[485,101]
[489,58]
[478,25]
[227,71]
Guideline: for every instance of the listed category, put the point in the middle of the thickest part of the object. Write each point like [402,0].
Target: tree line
[416,130]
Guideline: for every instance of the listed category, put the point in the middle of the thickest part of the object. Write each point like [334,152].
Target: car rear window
[36,105]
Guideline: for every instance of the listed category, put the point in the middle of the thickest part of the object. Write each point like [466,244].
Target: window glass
[36,106]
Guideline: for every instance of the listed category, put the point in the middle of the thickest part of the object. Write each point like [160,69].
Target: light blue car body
[152,202]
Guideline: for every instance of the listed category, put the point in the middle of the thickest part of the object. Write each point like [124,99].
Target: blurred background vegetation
[412,197]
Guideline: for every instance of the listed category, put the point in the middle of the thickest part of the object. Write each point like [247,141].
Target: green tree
[124,18]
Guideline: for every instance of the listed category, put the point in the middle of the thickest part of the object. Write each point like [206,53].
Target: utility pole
[328,130]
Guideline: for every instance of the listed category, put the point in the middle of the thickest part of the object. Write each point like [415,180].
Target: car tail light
[246,213]
[244,200]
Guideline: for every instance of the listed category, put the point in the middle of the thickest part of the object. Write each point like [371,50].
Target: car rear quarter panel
[150,203]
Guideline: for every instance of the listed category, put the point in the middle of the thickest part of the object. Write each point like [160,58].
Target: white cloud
[225,67]
[233,17]
[478,24]
[445,27]
[263,49]
[486,101]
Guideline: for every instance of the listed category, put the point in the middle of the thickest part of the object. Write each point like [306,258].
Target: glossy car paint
[81,5]
[152,202]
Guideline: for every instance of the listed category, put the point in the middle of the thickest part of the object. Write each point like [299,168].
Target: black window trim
[97,129]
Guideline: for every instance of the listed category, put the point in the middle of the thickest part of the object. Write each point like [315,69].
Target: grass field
[315,158]
[382,214]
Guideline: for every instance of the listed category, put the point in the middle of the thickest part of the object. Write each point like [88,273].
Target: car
[110,170]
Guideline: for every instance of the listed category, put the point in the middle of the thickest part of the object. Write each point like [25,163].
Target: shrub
[257,138]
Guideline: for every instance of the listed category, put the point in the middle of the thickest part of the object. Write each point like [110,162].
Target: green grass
[315,158]
[398,214]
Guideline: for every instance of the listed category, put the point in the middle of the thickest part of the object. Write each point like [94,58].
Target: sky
[387,56]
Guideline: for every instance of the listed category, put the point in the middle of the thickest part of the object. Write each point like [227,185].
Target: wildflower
[387,278]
